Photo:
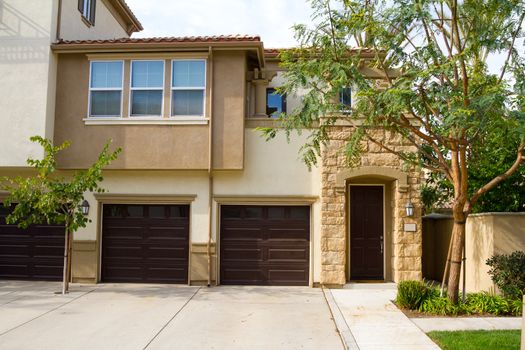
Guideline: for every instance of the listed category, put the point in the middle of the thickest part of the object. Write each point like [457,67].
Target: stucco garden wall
[375,163]
[486,234]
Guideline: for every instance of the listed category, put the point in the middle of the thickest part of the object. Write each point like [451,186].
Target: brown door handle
[381,243]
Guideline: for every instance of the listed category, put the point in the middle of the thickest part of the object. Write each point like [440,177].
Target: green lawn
[474,340]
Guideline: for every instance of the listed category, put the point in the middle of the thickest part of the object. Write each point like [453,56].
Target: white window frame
[184,88]
[121,89]
[86,9]
[131,89]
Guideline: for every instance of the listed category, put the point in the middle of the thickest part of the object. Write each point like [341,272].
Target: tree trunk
[458,240]
[65,285]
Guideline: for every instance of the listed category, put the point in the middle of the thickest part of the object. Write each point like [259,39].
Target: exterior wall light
[84,207]
[409,207]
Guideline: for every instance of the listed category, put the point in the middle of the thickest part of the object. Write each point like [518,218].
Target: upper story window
[275,103]
[147,88]
[87,9]
[345,98]
[188,87]
[105,89]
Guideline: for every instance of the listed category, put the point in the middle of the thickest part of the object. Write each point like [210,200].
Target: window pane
[146,102]
[106,74]
[105,103]
[187,102]
[147,74]
[274,103]
[346,97]
[188,74]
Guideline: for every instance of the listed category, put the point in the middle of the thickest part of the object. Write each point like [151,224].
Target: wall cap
[497,214]
[279,200]
[120,198]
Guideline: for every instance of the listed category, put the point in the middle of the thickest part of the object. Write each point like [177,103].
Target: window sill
[145,121]
[86,21]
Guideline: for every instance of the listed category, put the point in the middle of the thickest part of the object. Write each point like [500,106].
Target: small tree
[49,198]
[438,94]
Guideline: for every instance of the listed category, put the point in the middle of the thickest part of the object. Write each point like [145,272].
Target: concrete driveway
[133,316]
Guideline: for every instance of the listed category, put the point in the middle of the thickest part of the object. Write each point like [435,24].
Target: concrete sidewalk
[429,324]
[147,316]
[374,321]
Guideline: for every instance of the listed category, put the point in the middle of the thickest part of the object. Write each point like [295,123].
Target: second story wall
[108,24]
[229,93]
[163,142]
[27,77]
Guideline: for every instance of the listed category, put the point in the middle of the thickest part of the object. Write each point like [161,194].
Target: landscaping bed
[418,299]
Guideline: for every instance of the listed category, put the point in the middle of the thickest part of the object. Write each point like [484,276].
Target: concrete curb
[342,327]
[429,324]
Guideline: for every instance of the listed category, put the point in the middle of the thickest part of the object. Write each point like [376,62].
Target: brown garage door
[145,243]
[265,245]
[35,253]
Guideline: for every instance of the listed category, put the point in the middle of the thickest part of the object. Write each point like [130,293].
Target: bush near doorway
[507,271]
[417,296]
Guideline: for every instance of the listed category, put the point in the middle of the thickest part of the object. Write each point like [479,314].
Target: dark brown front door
[145,243]
[366,233]
[36,253]
[265,245]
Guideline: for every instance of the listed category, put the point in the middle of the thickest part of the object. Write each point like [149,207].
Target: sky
[270,19]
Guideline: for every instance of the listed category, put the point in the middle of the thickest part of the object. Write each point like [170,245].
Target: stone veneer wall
[406,246]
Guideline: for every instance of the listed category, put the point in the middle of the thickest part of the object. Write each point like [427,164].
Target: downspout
[59,20]
[210,164]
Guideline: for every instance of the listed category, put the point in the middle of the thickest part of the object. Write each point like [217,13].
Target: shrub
[508,273]
[437,305]
[485,303]
[410,294]
[516,307]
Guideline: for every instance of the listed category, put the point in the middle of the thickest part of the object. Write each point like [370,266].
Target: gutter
[210,166]
[59,20]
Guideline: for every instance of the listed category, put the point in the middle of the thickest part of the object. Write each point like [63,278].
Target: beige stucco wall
[486,234]
[274,169]
[265,175]
[27,76]
[106,24]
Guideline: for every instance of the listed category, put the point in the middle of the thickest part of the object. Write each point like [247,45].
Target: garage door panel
[241,232]
[288,277]
[242,276]
[287,255]
[145,243]
[264,245]
[289,233]
[241,254]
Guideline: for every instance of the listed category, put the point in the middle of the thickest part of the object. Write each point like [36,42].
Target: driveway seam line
[45,313]
[171,319]
[347,338]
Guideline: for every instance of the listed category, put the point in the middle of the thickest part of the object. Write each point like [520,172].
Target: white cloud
[271,19]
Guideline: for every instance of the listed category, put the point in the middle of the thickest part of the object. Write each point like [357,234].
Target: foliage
[49,198]
[508,273]
[507,196]
[485,303]
[477,340]
[417,296]
[437,93]
[410,294]
[442,306]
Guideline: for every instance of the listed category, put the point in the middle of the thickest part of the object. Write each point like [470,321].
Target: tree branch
[495,181]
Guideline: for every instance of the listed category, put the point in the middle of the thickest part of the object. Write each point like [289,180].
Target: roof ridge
[198,38]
